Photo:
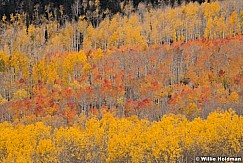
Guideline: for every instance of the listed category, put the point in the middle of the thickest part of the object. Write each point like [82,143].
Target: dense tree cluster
[146,26]
[184,78]
[173,139]
[62,10]
[122,81]
[146,63]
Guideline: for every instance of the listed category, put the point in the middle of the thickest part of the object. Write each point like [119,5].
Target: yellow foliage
[2,100]
[98,54]
[20,94]
[75,85]
[234,97]
[39,71]
[4,18]
[20,62]
[123,140]
[86,67]
[211,10]
[46,151]
[51,73]
[81,56]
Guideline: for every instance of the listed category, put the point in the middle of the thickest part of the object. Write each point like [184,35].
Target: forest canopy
[148,62]
[120,81]
[72,9]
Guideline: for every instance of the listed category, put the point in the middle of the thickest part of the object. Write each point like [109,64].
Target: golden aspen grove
[121,81]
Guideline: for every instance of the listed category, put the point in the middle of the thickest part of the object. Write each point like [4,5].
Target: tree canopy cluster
[146,63]
[173,139]
[183,78]
[146,25]
[62,10]
[148,82]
